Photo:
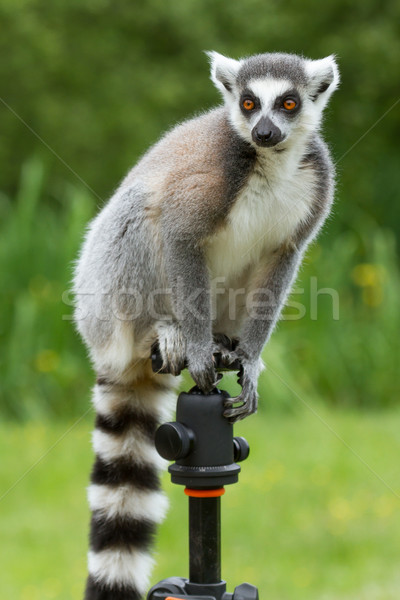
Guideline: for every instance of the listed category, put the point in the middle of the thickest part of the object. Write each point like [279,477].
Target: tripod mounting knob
[241,449]
[174,441]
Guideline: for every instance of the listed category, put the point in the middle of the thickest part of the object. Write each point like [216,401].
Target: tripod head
[201,440]
[206,454]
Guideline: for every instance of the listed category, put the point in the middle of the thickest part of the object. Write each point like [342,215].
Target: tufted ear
[223,72]
[323,77]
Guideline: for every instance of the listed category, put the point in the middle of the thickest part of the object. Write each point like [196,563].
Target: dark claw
[203,373]
[246,403]
[174,367]
[237,413]
[225,342]
[224,351]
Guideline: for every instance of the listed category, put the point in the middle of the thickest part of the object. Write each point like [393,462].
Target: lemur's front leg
[265,301]
[191,303]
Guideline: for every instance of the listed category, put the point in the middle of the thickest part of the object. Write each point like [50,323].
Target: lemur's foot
[201,367]
[246,403]
[242,406]
[172,347]
[225,347]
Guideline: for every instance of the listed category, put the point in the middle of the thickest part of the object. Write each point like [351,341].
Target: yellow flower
[370,278]
[372,296]
[340,509]
[46,361]
[367,274]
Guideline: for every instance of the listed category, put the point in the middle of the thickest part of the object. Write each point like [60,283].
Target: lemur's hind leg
[172,346]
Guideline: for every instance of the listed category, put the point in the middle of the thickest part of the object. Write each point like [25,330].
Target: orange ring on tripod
[204,493]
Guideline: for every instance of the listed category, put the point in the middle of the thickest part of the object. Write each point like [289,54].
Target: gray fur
[277,65]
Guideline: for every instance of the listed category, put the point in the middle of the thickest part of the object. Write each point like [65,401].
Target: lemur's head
[274,99]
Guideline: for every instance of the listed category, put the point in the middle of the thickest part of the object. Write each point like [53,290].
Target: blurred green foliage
[99,81]
[88,85]
[43,368]
[338,339]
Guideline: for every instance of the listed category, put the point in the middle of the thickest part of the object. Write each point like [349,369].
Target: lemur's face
[274,100]
[267,110]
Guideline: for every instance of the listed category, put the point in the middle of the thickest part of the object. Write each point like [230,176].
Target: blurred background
[86,87]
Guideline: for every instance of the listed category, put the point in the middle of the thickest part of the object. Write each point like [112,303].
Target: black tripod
[202,444]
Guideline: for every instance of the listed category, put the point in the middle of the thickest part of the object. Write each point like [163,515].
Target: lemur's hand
[246,403]
[201,367]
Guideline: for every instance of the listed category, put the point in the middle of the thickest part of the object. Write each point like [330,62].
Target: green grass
[309,519]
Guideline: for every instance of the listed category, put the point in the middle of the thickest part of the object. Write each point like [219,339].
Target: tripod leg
[204,540]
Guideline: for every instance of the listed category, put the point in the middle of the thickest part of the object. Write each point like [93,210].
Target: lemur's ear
[323,78]
[223,71]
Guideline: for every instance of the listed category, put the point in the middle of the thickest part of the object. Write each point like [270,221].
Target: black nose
[263,136]
[266,134]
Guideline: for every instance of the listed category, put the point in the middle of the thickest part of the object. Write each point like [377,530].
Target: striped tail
[125,495]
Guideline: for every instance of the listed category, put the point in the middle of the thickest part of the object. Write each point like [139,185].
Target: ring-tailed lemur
[233,196]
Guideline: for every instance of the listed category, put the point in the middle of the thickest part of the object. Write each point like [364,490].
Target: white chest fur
[266,213]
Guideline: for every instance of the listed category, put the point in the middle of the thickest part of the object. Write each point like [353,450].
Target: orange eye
[248,104]
[289,104]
